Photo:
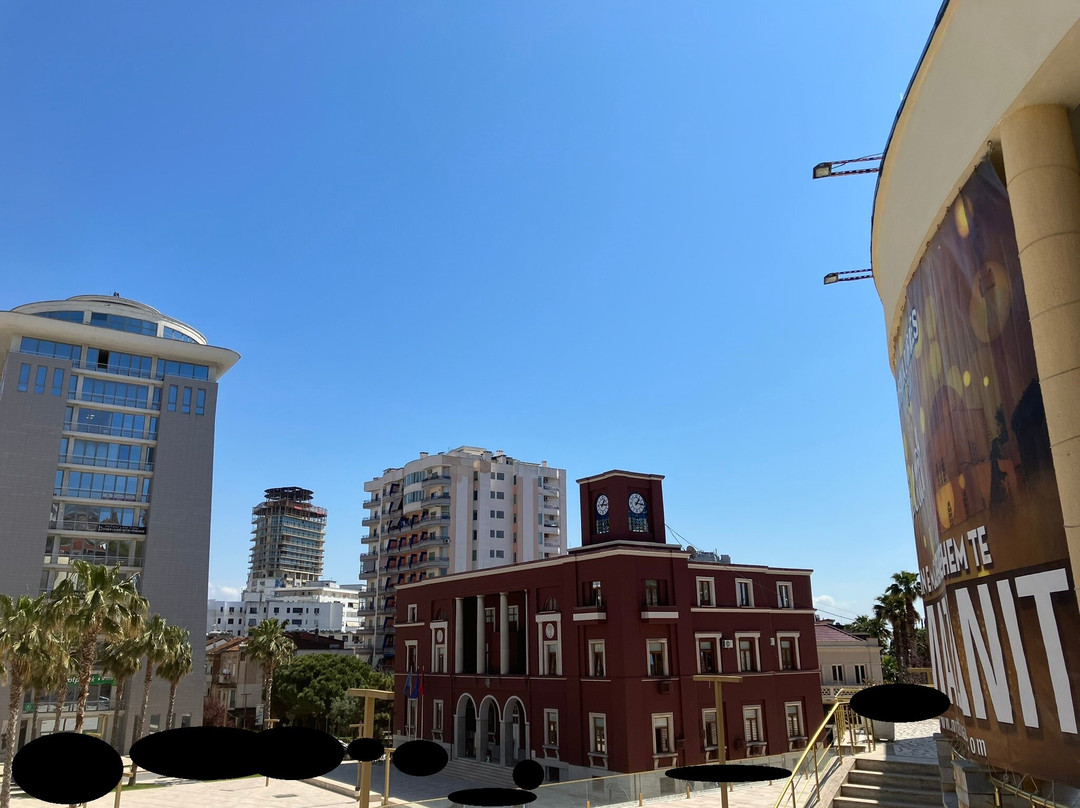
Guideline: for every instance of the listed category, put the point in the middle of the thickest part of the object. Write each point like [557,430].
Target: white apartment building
[322,606]
[465,509]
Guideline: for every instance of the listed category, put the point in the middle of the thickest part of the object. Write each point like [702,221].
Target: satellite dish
[690,549]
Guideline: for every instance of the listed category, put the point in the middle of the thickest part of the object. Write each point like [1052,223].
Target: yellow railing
[823,750]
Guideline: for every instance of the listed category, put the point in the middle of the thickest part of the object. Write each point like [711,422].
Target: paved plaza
[913,741]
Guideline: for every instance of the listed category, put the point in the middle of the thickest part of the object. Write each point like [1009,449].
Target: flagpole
[421,703]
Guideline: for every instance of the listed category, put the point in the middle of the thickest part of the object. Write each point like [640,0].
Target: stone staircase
[890,784]
[482,775]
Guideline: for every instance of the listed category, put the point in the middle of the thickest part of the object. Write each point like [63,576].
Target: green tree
[153,640]
[176,664]
[875,627]
[98,601]
[26,643]
[268,646]
[309,686]
[122,659]
[903,593]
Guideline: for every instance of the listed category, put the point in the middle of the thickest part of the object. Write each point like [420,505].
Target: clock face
[549,631]
[637,503]
[602,505]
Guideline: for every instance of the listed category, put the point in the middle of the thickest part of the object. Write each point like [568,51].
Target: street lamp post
[363,784]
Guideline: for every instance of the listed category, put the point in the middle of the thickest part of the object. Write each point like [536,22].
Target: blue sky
[583,232]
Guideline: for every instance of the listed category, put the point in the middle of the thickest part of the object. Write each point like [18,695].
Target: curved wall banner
[993,560]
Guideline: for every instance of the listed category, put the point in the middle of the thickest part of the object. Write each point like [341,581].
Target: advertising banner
[1000,602]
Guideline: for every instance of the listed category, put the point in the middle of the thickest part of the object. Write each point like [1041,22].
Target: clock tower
[622,506]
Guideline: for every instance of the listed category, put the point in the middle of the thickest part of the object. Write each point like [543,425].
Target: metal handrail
[838,711]
[996,778]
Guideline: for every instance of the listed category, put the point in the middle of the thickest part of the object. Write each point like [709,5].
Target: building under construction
[287,538]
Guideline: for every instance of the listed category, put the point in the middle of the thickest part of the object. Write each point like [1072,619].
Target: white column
[504,633]
[480,634]
[459,635]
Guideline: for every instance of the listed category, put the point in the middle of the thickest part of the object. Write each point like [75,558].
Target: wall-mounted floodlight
[851,275]
[822,170]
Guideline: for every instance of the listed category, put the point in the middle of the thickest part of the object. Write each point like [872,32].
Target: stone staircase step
[887,795]
[896,767]
[891,779]
[859,802]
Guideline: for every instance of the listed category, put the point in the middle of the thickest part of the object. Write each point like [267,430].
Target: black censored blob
[420,759]
[67,768]
[365,749]
[528,774]
[198,753]
[491,797]
[297,753]
[728,773]
[900,703]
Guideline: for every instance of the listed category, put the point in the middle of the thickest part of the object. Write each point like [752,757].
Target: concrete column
[459,635]
[1044,191]
[480,661]
[504,633]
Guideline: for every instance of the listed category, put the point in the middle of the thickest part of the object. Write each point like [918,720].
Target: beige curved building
[976,257]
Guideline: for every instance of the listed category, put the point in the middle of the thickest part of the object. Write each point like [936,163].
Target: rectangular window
[173,391]
[754,732]
[652,593]
[500,495]
[794,721]
[598,734]
[594,596]
[410,655]
[748,653]
[551,658]
[597,658]
[744,592]
[788,647]
[437,716]
[705,592]
[838,673]
[783,596]
[500,476]
[512,616]
[489,616]
[708,661]
[658,661]
[708,724]
[39,379]
[411,609]
[491,494]
[662,734]
[500,553]
[200,402]
[187,401]
[57,381]
[860,674]
[551,728]
[24,377]
[440,659]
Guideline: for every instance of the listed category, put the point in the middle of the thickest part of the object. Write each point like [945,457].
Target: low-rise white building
[321,606]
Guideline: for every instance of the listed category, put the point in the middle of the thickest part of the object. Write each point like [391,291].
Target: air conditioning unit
[729,643]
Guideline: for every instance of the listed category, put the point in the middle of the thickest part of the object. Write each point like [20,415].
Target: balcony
[443,497]
[370,503]
[435,479]
[550,491]
[368,521]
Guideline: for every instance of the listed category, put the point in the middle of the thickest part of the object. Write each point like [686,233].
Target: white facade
[321,606]
[462,510]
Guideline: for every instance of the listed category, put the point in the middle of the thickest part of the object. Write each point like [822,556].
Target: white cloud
[222,592]
[830,607]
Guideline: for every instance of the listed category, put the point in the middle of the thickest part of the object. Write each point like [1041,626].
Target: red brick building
[585,662]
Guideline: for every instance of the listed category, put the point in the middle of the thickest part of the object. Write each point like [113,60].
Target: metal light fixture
[822,170]
[851,275]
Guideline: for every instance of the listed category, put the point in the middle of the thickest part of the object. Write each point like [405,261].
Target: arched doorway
[489,733]
[515,732]
[465,728]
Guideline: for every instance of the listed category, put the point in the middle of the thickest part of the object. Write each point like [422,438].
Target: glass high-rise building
[107,443]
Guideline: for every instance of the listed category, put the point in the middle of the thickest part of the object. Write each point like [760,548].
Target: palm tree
[888,609]
[875,627]
[176,665]
[99,602]
[122,659]
[268,645]
[904,591]
[154,643]
[25,644]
